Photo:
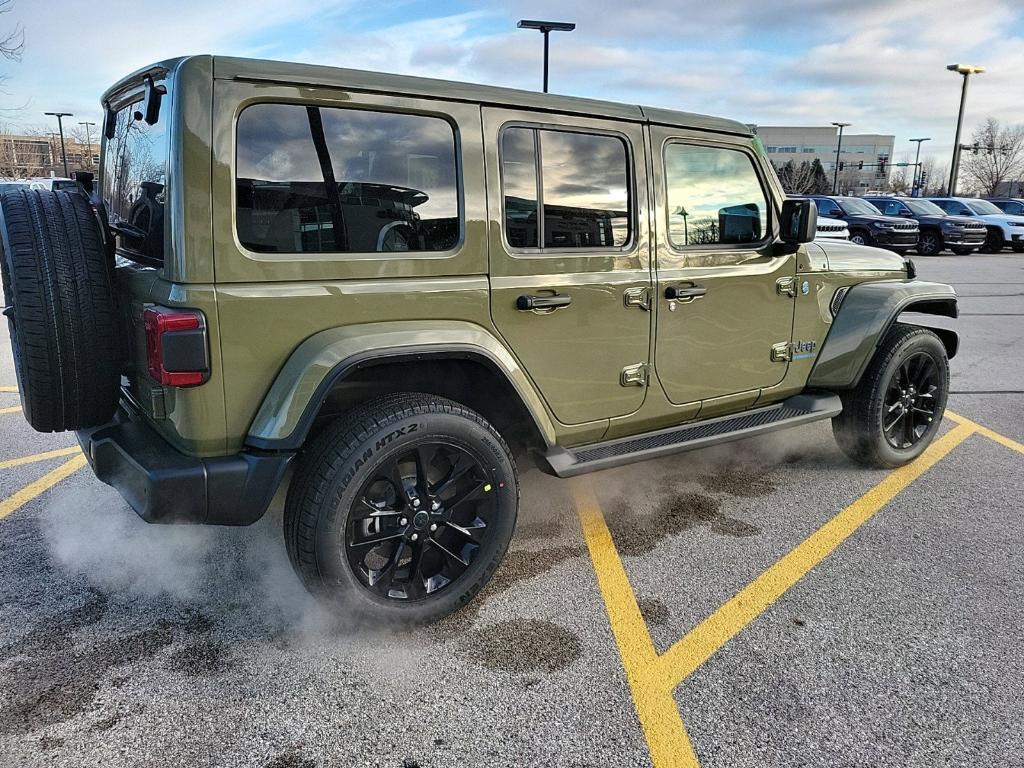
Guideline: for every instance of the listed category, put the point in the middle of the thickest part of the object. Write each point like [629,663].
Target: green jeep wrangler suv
[379,291]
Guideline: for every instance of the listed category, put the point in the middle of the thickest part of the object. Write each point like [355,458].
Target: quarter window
[714,197]
[315,179]
[581,188]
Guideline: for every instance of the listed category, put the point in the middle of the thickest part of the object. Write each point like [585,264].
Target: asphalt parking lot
[765,603]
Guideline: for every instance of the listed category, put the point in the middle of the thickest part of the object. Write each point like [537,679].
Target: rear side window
[579,182]
[714,197]
[315,179]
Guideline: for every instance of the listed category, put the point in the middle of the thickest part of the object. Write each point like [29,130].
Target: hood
[879,217]
[961,220]
[848,257]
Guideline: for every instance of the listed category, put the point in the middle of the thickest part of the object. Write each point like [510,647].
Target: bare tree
[934,178]
[997,156]
[12,44]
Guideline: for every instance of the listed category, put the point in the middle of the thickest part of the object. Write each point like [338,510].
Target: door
[725,297]
[569,257]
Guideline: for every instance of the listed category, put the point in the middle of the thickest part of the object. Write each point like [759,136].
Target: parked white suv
[47,182]
[1003,229]
[830,229]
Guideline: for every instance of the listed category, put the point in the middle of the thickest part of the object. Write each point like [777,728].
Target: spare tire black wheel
[61,309]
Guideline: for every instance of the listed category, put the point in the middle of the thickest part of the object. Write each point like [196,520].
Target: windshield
[134,174]
[854,205]
[983,207]
[924,207]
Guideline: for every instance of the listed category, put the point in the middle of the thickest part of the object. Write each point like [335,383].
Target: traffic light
[881,165]
[924,179]
[841,164]
[860,166]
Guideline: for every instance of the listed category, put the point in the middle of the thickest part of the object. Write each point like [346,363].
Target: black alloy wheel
[419,521]
[929,244]
[910,404]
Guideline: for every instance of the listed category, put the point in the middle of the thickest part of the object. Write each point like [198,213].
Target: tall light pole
[966,70]
[60,127]
[914,191]
[839,146]
[88,139]
[546,28]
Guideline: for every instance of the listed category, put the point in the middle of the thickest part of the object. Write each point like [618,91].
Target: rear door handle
[531,303]
[685,293]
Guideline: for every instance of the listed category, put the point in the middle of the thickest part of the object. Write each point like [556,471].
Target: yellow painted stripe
[44,483]
[38,457]
[8,389]
[12,409]
[990,434]
[659,717]
[698,645]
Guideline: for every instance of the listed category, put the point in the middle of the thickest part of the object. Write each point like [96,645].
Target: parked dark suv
[939,230]
[1011,205]
[867,224]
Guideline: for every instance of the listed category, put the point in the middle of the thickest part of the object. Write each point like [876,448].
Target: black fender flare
[866,313]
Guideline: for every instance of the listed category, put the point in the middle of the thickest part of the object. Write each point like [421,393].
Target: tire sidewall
[864,236]
[931,345]
[936,244]
[394,438]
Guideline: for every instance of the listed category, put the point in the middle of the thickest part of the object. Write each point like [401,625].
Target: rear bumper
[164,485]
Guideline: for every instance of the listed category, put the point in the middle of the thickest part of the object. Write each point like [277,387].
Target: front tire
[860,237]
[929,244]
[402,510]
[994,241]
[894,412]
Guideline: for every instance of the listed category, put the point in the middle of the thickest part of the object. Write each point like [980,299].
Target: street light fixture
[839,146]
[60,126]
[915,191]
[546,28]
[88,138]
[966,70]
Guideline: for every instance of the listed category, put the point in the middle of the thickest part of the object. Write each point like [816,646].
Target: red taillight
[184,329]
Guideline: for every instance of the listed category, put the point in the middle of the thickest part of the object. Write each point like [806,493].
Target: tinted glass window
[826,207]
[714,196]
[519,179]
[585,179]
[888,207]
[314,179]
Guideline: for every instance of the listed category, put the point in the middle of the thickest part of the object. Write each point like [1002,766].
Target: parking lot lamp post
[839,146]
[60,127]
[88,139]
[966,70]
[546,28]
[914,189]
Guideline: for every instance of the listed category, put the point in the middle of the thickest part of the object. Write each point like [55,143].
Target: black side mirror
[799,221]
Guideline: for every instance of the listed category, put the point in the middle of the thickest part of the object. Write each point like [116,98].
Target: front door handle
[532,303]
[685,293]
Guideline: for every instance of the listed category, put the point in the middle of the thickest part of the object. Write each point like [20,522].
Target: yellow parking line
[44,483]
[652,678]
[991,435]
[38,457]
[12,409]
[8,389]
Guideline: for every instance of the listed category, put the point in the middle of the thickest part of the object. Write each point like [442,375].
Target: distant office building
[865,157]
[23,157]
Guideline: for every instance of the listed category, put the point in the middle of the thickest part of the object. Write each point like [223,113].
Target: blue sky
[878,64]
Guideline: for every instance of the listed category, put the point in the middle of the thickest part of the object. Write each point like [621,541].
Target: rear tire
[61,312]
[402,510]
[905,386]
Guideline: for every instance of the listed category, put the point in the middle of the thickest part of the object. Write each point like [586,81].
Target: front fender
[325,358]
[865,315]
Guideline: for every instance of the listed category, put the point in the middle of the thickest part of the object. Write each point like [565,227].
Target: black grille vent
[837,299]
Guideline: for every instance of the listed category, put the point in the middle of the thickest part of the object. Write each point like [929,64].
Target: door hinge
[786,286]
[634,375]
[782,352]
[637,297]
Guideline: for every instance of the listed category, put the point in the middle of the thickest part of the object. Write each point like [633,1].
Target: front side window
[983,208]
[714,197]
[578,181]
[318,179]
[825,206]
[854,206]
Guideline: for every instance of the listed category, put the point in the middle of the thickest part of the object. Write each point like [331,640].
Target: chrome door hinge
[782,352]
[786,286]
[637,297]
[634,375]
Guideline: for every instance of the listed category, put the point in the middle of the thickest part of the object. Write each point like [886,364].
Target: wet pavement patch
[291,759]
[530,645]
[638,533]
[654,611]
[204,656]
[737,481]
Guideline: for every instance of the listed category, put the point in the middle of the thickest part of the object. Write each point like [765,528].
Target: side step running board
[800,409]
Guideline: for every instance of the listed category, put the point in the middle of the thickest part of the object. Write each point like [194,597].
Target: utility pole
[839,146]
[546,28]
[60,127]
[88,139]
[915,190]
[966,70]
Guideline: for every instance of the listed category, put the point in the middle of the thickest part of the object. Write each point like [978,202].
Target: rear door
[724,296]
[569,257]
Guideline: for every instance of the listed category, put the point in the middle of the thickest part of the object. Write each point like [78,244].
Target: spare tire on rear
[61,309]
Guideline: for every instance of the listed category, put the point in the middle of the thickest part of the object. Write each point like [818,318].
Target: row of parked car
[43,182]
[926,225]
